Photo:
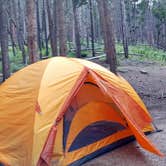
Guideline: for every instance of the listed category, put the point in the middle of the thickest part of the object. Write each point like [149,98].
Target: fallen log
[96,57]
[122,53]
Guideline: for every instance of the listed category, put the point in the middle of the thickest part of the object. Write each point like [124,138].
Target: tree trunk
[38,29]
[21,32]
[149,24]
[69,22]
[45,28]
[107,29]
[134,28]
[77,34]
[15,16]
[102,24]
[61,28]
[92,28]
[4,39]
[87,38]
[97,29]
[11,28]
[52,29]
[31,31]
[165,36]
[124,28]
[12,38]
[55,30]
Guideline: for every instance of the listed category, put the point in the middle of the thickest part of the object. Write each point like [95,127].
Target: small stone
[143,72]
[122,70]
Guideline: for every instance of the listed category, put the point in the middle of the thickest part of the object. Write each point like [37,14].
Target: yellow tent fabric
[35,101]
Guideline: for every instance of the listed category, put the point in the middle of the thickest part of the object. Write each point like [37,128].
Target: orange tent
[66,111]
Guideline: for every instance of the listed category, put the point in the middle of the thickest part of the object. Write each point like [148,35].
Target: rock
[143,72]
[122,70]
[163,96]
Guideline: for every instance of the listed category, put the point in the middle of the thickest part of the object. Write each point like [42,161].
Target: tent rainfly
[66,111]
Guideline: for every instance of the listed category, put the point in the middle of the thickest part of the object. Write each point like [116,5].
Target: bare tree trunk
[97,28]
[38,29]
[4,39]
[87,38]
[148,23]
[102,24]
[134,28]
[15,17]
[158,38]
[45,28]
[107,28]
[117,19]
[12,39]
[69,22]
[124,28]
[61,28]
[165,36]
[76,30]
[17,29]
[92,28]
[32,31]
[21,32]
[55,26]
[11,28]
[10,31]
[52,29]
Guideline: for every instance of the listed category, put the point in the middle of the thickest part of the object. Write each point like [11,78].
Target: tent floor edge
[106,149]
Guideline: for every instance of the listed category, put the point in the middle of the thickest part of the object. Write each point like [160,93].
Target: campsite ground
[149,80]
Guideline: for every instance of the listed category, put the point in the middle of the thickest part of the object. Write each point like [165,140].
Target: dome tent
[66,111]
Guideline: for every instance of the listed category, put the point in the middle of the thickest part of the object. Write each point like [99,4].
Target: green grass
[143,53]
[71,54]
[148,54]
[15,61]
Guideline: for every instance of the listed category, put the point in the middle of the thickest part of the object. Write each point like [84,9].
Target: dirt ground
[149,80]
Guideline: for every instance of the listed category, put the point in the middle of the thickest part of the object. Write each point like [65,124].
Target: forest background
[31,30]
